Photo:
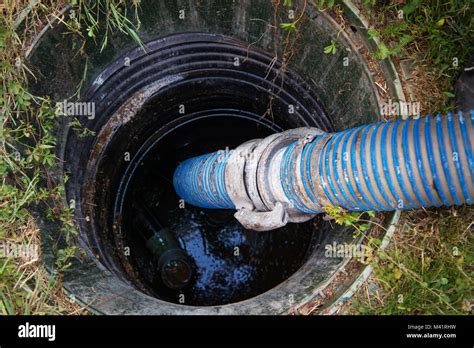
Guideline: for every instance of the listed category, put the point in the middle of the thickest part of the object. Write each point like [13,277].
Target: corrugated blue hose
[402,164]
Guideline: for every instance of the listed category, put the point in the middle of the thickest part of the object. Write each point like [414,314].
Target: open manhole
[227,262]
[203,84]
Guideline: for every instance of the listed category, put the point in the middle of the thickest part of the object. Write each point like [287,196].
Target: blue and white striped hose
[200,181]
[402,164]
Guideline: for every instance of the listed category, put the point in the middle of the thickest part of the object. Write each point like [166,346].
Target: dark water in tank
[229,263]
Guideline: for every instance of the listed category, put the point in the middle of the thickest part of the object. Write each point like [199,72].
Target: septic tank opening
[176,249]
[229,263]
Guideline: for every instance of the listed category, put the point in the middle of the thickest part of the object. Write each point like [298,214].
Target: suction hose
[293,175]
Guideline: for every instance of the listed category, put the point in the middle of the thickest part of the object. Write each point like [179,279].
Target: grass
[427,268]
[27,154]
[91,19]
[24,152]
[26,287]
[436,34]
